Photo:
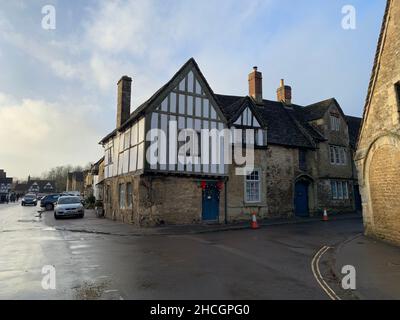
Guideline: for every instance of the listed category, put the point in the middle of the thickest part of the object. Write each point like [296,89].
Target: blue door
[301,199]
[210,202]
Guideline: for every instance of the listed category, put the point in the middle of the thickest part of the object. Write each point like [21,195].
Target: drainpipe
[226,201]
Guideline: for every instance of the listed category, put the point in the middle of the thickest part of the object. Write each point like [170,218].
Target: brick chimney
[284,93]
[255,85]
[124,100]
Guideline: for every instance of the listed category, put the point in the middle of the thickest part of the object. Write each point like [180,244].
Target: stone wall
[238,209]
[378,150]
[158,200]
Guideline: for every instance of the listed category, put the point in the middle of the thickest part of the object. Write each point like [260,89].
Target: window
[338,155]
[127,141]
[260,137]
[335,122]
[121,196]
[253,186]
[108,194]
[340,190]
[302,160]
[129,195]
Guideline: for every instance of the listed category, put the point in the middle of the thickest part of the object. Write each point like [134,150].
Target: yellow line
[317,274]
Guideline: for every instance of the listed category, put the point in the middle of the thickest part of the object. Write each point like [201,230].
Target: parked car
[71,193]
[69,206]
[29,199]
[48,202]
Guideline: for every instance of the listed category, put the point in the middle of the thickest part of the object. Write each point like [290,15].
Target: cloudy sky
[58,87]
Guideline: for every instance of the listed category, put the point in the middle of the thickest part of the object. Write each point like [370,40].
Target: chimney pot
[255,85]
[284,93]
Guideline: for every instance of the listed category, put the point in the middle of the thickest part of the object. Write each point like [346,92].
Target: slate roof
[41,186]
[286,125]
[139,111]
[317,110]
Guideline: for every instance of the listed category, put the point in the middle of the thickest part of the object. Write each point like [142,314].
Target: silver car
[69,206]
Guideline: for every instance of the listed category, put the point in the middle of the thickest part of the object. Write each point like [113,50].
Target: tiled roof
[285,124]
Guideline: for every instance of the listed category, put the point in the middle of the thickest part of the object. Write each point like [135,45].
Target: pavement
[93,224]
[377,266]
[102,259]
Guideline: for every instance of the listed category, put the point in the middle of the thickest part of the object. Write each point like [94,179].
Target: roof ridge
[300,127]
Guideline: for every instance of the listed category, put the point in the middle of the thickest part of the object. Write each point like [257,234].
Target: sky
[58,86]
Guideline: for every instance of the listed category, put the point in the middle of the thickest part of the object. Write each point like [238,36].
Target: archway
[384,184]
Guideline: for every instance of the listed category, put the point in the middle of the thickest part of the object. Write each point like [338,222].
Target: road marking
[317,273]
[79,246]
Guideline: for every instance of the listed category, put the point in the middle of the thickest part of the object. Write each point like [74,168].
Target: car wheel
[22,204]
[49,206]
[81,216]
[55,216]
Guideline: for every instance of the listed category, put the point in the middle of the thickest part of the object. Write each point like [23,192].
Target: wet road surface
[270,263]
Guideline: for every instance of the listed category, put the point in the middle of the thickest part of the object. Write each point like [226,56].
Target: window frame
[338,155]
[335,122]
[258,182]
[340,190]
[122,195]
[129,195]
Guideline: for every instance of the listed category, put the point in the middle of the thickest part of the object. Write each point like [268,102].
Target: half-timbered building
[151,177]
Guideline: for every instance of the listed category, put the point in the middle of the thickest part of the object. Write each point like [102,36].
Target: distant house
[91,185]
[76,181]
[37,186]
[5,185]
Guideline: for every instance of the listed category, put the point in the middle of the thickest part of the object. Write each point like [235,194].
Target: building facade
[76,181]
[36,186]
[303,157]
[5,185]
[378,152]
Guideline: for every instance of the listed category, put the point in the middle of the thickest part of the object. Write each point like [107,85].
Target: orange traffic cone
[254,224]
[325,218]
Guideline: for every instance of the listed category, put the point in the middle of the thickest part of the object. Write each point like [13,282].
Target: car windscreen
[69,200]
[29,196]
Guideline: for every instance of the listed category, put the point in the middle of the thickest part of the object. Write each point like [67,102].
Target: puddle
[26,221]
[49,229]
[90,291]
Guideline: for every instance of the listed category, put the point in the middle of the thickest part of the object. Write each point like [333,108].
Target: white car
[69,206]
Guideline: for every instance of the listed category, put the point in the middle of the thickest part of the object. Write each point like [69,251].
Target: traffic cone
[325,218]
[254,224]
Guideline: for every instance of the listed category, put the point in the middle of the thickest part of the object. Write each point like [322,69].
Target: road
[270,263]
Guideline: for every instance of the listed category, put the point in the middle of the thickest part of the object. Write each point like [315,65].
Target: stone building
[378,152]
[76,181]
[303,155]
[91,182]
